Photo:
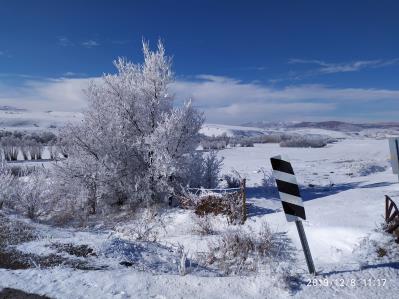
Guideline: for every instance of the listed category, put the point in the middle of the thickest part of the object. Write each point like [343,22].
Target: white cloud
[90,43]
[330,68]
[224,100]
[245,112]
[51,94]
[73,74]
[231,101]
[63,41]
[221,90]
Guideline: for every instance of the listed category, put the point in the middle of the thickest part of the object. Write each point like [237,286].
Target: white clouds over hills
[223,99]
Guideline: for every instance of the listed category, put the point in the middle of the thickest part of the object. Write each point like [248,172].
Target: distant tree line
[30,145]
[283,139]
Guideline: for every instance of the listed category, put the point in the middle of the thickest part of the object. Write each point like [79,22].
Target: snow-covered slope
[231,131]
[20,119]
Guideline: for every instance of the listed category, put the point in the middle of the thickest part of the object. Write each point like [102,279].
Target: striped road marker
[291,200]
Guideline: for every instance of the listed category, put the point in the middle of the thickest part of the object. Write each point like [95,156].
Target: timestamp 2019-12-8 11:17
[342,282]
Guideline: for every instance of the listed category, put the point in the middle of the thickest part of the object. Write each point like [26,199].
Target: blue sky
[239,60]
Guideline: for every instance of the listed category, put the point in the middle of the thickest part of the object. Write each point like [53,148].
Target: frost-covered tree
[36,149]
[6,183]
[10,147]
[203,170]
[212,167]
[31,194]
[132,145]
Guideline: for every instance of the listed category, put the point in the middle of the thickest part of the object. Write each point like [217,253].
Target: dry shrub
[269,183]
[13,232]
[65,217]
[182,265]
[381,252]
[203,225]
[212,204]
[235,212]
[206,203]
[228,204]
[238,251]
[145,226]
[233,180]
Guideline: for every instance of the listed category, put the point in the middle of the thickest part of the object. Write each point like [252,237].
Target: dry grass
[237,251]
[203,226]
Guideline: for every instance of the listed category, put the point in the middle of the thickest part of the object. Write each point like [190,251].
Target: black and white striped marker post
[291,200]
[394,149]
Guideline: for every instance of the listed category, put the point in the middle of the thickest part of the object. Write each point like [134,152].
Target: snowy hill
[12,118]
[244,131]
[20,119]
[231,131]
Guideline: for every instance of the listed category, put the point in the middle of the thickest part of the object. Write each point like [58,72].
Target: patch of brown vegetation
[76,250]
[8,293]
[381,252]
[212,205]
[13,259]
[13,232]
[230,204]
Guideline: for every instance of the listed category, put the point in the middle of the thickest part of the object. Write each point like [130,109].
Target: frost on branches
[133,146]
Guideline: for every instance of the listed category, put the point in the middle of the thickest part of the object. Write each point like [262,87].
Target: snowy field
[13,119]
[343,186]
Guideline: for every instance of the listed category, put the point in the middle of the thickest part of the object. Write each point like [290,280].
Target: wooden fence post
[244,201]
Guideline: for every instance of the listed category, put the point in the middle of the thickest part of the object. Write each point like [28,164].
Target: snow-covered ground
[343,186]
[15,119]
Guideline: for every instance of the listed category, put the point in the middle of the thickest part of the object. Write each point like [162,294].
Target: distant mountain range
[12,118]
[11,108]
[327,125]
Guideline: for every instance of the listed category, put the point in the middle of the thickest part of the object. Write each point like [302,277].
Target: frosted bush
[53,151]
[269,183]
[145,226]
[212,167]
[305,141]
[238,251]
[247,142]
[10,146]
[203,225]
[233,179]
[35,149]
[31,194]
[7,182]
[214,143]
[202,170]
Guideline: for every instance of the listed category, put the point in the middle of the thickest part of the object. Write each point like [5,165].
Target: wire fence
[198,191]
[238,192]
